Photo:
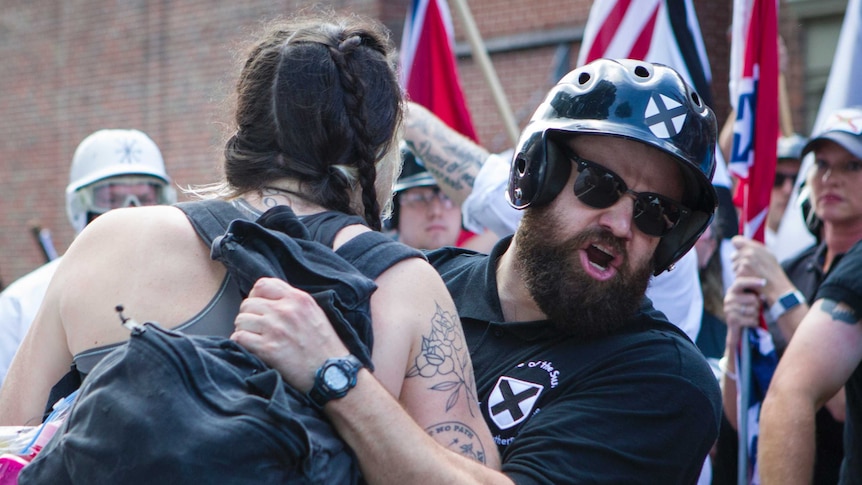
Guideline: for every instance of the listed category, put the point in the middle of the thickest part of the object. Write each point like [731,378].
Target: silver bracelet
[722,366]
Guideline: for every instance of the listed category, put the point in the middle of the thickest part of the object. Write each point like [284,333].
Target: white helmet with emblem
[115,156]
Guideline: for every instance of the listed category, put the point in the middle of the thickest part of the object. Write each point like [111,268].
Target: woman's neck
[284,192]
[839,239]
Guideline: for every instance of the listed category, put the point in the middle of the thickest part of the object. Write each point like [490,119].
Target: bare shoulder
[417,270]
[408,295]
[438,387]
[131,226]
[135,242]
[140,258]
[410,307]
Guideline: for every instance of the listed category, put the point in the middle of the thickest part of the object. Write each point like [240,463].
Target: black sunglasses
[598,187]
[781,178]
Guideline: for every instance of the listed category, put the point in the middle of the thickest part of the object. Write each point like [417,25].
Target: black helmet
[645,102]
[413,174]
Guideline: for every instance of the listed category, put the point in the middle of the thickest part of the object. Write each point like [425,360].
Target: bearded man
[579,379]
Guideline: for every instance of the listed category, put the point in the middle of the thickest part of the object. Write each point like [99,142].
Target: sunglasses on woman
[600,188]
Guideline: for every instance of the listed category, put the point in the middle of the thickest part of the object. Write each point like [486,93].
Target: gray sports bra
[215,319]
[371,253]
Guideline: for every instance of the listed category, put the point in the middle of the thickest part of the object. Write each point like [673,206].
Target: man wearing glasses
[422,215]
[579,379]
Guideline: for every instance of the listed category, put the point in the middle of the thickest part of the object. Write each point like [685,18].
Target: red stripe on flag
[644,40]
[760,65]
[433,79]
[608,31]
[753,160]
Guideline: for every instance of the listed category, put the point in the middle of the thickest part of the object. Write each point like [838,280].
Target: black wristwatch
[333,379]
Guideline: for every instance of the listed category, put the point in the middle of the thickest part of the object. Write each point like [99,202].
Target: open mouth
[599,257]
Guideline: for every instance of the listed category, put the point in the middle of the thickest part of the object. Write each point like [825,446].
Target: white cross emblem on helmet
[664,116]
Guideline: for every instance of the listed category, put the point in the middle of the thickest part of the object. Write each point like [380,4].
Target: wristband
[785,302]
[722,366]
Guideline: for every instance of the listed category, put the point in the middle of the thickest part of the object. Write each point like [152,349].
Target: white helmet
[111,154]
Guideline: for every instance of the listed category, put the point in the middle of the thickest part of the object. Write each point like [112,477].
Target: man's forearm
[392,448]
[453,159]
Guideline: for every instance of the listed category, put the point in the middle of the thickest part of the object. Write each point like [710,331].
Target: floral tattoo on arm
[444,353]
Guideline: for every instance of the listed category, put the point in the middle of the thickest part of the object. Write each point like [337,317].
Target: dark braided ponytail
[318,101]
[367,149]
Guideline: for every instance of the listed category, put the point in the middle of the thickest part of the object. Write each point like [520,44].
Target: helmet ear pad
[677,242]
[540,171]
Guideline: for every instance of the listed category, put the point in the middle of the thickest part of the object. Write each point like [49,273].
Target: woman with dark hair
[318,113]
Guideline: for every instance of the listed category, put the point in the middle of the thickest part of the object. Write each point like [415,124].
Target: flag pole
[743,388]
[786,119]
[481,56]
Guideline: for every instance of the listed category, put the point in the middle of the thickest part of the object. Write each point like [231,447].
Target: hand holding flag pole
[753,161]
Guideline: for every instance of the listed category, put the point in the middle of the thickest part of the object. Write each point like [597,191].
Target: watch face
[789,301]
[335,378]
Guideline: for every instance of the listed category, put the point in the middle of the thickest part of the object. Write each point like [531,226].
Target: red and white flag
[753,160]
[662,31]
[428,68]
[753,157]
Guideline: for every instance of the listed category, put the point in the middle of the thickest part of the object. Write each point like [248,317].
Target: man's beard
[577,304]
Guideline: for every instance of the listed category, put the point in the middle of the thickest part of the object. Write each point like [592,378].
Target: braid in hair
[354,92]
[318,102]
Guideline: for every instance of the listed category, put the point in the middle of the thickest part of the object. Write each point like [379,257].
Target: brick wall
[526,75]
[166,67]
[72,67]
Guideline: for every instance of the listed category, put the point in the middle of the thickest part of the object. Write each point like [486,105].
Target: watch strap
[785,303]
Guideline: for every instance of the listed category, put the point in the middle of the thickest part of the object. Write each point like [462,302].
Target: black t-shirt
[637,407]
[844,284]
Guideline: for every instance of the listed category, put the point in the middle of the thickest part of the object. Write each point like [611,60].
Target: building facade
[167,67]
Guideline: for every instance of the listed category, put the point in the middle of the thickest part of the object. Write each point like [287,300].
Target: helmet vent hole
[584,78]
[641,71]
[695,98]
[521,164]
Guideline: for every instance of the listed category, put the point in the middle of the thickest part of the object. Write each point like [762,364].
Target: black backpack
[172,408]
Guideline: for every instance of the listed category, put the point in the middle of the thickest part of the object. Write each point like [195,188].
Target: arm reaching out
[452,158]
[285,327]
